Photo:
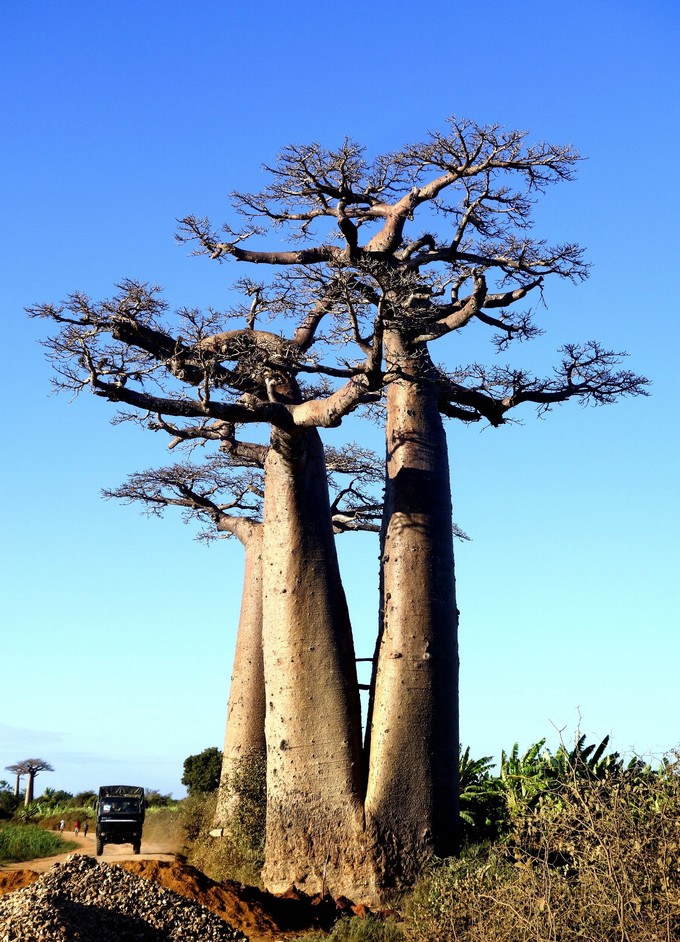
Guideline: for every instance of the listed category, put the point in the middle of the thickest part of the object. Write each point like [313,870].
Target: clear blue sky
[117,118]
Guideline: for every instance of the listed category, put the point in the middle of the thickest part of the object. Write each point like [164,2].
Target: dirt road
[113,853]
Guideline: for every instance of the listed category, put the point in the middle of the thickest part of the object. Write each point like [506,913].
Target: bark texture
[315,834]
[244,738]
[413,727]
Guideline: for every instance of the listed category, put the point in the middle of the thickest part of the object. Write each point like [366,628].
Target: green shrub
[8,802]
[202,771]
[26,842]
[248,821]
[221,858]
[489,803]
[54,798]
[483,803]
[155,799]
[239,853]
[196,816]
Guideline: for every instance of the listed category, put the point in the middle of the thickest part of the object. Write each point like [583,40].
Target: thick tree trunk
[412,737]
[315,835]
[244,740]
[30,783]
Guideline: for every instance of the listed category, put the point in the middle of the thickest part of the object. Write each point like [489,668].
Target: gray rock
[83,900]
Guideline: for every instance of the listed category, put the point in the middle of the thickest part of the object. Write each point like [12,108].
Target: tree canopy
[202,771]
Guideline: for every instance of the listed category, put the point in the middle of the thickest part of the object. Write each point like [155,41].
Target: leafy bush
[196,816]
[202,771]
[154,799]
[483,804]
[248,820]
[7,808]
[26,842]
[489,803]
[86,799]
[54,798]
[239,853]
[8,802]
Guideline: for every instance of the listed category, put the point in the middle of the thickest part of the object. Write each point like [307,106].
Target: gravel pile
[83,900]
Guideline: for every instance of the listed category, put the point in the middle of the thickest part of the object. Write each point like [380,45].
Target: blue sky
[117,630]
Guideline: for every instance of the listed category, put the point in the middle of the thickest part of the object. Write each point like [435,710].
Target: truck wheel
[136,848]
[100,847]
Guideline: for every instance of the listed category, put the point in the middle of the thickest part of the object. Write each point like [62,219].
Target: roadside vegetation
[579,843]
[20,842]
[576,844]
[239,853]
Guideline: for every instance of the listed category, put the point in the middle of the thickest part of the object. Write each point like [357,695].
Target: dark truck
[120,816]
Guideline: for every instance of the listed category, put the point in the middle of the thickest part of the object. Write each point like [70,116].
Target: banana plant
[482,801]
[525,777]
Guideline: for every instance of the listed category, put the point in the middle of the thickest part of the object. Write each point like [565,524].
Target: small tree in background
[55,797]
[86,799]
[202,771]
[17,770]
[155,799]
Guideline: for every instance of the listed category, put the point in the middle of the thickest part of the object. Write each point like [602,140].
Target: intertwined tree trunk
[244,740]
[387,289]
[315,828]
[413,731]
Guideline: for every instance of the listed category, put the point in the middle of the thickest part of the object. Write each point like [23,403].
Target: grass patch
[27,842]
[353,929]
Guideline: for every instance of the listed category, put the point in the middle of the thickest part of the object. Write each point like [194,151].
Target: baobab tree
[225,492]
[29,767]
[17,770]
[426,241]
[393,256]
[229,500]
[123,351]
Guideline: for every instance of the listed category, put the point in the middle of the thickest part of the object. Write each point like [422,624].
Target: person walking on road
[85,828]
[61,824]
[76,828]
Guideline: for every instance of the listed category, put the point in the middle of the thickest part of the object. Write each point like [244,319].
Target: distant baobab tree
[29,767]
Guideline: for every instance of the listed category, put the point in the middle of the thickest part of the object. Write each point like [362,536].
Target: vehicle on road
[120,816]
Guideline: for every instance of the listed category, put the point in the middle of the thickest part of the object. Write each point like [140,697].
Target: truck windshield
[119,806]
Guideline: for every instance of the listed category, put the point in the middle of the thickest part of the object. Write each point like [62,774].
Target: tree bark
[412,734]
[315,826]
[244,739]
